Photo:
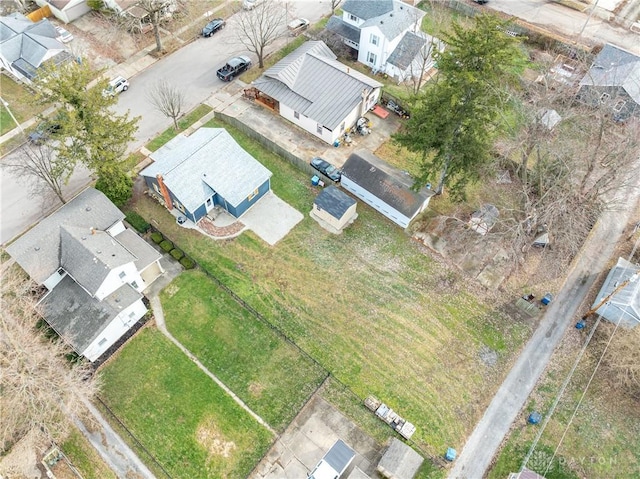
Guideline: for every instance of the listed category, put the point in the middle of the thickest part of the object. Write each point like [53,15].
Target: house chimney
[165,192]
[93,230]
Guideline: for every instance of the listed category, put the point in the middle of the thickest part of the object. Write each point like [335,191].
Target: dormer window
[619,104]
[353,18]
[604,98]
[122,275]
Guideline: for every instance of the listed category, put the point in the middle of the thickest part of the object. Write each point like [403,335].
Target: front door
[209,204]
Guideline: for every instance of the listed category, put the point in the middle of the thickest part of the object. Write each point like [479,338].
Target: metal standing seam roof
[385,182]
[624,306]
[334,201]
[207,162]
[314,84]
[615,67]
[339,456]
[80,318]
[90,256]
[38,250]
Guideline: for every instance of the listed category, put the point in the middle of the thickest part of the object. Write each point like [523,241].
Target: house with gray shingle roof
[333,209]
[25,46]
[313,90]
[383,187]
[66,10]
[196,173]
[93,268]
[387,36]
[614,81]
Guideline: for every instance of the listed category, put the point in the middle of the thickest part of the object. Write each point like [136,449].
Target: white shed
[384,187]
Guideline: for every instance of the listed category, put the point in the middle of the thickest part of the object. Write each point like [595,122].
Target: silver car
[117,85]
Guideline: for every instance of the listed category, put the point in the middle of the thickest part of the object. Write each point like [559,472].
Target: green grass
[85,458]
[369,305]
[17,96]
[270,375]
[183,123]
[182,417]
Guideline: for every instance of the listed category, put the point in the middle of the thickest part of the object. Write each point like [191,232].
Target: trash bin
[450,455]
[315,180]
[547,298]
[534,418]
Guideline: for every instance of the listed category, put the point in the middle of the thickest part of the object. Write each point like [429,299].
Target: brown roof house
[333,209]
[94,270]
[383,187]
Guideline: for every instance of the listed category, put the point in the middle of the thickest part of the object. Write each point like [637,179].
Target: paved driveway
[271,218]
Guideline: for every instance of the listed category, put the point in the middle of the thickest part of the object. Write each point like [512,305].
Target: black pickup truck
[233,68]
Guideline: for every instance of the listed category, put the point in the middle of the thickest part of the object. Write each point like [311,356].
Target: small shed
[334,462]
[549,118]
[484,219]
[334,209]
[624,306]
[399,461]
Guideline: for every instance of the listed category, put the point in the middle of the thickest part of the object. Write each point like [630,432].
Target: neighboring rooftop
[399,461]
[615,67]
[408,48]
[334,201]
[624,306]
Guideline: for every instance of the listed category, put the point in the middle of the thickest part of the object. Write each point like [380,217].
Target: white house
[383,187]
[311,89]
[387,36]
[66,10]
[93,268]
[25,46]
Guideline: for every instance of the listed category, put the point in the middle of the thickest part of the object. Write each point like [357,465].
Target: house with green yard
[194,174]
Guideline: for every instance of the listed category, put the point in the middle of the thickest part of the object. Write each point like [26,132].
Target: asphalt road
[506,405]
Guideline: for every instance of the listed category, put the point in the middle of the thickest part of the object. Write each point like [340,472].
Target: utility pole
[632,279]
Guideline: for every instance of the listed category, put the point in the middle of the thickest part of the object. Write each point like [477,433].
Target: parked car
[297,26]
[326,169]
[250,4]
[63,35]
[213,26]
[233,68]
[43,132]
[117,85]
[481,2]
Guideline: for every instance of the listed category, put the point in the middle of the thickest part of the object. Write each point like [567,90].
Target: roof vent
[88,208]
[99,252]
[37,248]
[381,22]
[84,238]
[391,14]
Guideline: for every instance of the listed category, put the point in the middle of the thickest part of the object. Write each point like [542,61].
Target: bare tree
[168,100]
[42,169]
[334,5]
[261,26]
[423,62]
[622,361]
[156,9]
[40,388]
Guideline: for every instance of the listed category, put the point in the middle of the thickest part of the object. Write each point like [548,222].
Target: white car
[63,35]
[250,4]
[117,85]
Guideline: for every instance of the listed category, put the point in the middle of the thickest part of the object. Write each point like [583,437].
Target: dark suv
[43,131]
[213,26]
[326,169]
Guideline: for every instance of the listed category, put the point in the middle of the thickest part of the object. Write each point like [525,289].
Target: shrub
[156,237]
[177,253]
[137,221]
[116,184]
[187,262]
[166,245]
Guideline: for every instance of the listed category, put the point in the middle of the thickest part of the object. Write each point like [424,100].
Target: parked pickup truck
[233,68]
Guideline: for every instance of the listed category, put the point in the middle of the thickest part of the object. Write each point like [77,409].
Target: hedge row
[169,247]
[137,221]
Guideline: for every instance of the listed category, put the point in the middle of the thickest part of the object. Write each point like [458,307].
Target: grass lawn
[85,458]
[183,418]
[603,439]
[16,95]
[270,375]
[183,123]
[370,305]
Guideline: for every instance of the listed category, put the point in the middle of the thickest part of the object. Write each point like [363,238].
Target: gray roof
[144,253]
[624,306]
[407,50]
[26,45]
[78,317]
[339,456]
[339,26]
[38,251]
[615,67]
[89,255]
[294,81]
[393,22]
[366,9]
[194,167]
[334,201]
[385,182]
[400,460]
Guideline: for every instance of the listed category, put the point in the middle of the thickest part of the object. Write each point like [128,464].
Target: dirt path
[489,433]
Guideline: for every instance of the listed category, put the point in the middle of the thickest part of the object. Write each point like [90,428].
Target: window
[253,194]
[296,115]
[134,285]
[373,39]
[132,314]
[319,129]
[342,127]
[604,97]
[122,274]
[619,104]
[178,205]
[157,188]
[102,342]
[353,18]
[208,201]
[371,58]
